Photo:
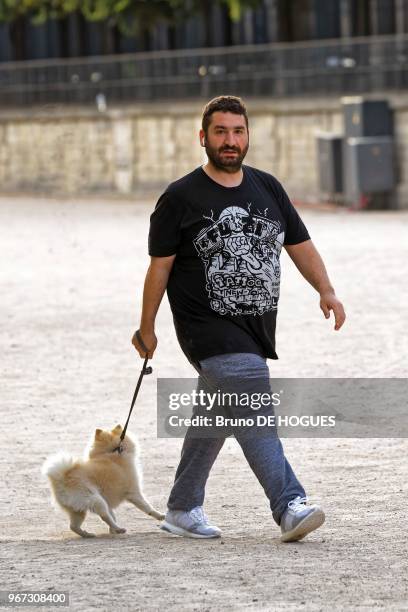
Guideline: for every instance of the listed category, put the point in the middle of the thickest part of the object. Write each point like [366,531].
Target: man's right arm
[154,287]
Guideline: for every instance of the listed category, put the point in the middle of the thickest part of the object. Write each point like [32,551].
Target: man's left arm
[309,263]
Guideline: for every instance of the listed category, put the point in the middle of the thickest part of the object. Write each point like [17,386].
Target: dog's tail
[56,466]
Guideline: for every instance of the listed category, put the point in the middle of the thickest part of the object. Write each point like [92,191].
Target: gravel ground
[70,282]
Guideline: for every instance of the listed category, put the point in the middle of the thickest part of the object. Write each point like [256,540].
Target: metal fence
[336,67]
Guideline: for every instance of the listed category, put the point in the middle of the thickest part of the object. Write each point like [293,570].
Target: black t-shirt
[224,285]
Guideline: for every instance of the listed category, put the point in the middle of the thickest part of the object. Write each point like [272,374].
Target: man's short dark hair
[223,104]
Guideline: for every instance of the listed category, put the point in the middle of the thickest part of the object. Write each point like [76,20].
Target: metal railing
[336,67]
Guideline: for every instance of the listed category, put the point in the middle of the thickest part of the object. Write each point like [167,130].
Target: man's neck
[227,179]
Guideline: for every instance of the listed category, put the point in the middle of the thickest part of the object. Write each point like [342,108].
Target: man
[215,239]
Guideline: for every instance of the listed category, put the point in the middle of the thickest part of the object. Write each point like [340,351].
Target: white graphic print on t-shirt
[241,256]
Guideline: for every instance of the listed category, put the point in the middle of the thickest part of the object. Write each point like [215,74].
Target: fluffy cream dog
[100,482]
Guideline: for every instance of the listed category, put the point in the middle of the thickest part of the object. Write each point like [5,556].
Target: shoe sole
[311,522]
[183,532]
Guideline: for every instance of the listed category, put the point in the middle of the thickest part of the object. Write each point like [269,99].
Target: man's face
[226,141]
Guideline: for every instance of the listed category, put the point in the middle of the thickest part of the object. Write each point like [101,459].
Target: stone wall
[138,150]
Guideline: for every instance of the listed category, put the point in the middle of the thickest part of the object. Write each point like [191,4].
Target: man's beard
[225,163]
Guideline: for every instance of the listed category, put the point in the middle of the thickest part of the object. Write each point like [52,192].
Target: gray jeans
[239,373]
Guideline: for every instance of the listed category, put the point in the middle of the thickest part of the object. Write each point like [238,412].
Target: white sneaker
[191,524]
[298,519]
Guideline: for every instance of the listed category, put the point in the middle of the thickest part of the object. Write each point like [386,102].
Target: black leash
[145,370]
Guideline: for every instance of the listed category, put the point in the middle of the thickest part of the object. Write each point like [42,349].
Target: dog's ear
[117,429]
[98,434]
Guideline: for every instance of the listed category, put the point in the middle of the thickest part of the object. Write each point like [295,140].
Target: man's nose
[229,139]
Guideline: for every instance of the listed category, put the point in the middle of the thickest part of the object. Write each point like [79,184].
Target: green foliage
[133,15]
[128,15]
[235,7]
[37,10]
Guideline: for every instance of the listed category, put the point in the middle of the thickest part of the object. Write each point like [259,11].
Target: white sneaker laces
[197,514]
[298,504]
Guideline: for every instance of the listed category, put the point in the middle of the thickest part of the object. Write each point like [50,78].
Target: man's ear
[202,138]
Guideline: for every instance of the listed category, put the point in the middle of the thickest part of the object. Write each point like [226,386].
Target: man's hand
[150,341]
[328,302]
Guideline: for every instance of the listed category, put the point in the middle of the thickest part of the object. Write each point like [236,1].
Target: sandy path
[70,284]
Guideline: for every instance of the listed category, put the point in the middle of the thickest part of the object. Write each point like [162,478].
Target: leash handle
[145,370]
[140,341]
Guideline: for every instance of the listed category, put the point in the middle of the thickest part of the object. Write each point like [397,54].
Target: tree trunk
[17,39]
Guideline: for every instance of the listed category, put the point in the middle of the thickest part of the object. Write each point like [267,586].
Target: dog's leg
[100,507]
[141,502]
[113,515]
[77,518]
